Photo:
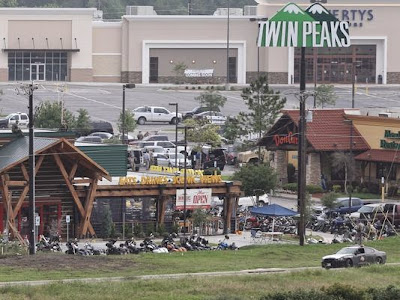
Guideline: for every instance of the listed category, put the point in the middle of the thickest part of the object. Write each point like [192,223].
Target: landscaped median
[62,266]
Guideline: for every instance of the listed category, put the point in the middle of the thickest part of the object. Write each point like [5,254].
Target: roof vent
[140,10]
[385,115]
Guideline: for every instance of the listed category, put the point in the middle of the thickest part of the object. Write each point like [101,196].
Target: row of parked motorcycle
[168,244]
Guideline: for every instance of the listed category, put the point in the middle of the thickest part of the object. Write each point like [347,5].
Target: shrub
[290,186]
[193,87]
[313,189]
[186,87]
[199,87]
[211,171]
[161,230]
[107,223]
[138,230]
[336,188]
[364,190]
[329,200]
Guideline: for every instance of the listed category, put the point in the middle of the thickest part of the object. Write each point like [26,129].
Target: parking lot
[104,101]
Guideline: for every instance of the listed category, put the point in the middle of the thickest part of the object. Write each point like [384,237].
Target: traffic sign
[67,218]
[37,220]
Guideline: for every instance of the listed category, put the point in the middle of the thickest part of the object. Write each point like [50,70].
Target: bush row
[338,292]
[311,189]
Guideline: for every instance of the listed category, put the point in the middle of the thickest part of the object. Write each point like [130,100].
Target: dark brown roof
[328,130]
[380,155]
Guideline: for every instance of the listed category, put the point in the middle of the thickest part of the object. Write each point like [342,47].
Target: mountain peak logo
[293,27]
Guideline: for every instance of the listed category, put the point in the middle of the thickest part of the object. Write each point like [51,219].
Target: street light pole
[125,86]
[353,82]
[32,204]
[176,132]
[185,184]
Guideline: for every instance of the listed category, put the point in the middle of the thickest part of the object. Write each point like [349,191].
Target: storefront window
[335,65]
[37,65]
[382,170]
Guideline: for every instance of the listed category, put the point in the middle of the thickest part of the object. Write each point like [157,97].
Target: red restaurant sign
[285,139]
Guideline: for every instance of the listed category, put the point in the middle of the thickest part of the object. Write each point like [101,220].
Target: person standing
[140,136]
[146,159]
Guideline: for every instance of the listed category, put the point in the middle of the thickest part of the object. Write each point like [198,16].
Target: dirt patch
[57,261]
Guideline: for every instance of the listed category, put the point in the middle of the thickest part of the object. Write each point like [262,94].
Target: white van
[250,201]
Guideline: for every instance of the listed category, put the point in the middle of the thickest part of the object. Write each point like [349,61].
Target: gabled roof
[328,130]
[380,155]
[17,152]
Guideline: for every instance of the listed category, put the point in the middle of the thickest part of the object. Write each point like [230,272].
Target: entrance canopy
[273,210]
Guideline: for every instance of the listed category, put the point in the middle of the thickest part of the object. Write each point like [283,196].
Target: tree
[202,134]
[48,115]
[256,179]
[82,123]
[329,200]
[212,99]
[342,162]
[107,222]
[199,217]
[325,95]
[264,106]
[130,123]
[233,129]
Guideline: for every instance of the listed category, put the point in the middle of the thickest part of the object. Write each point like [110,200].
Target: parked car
[213,117]
[81,141]
[168,146]
[157,137]
[145,114]
[342,205]
[180,160]
[102,135]
[21,119]
[155,150]
[354,256]
[367,212]
[195,111]
[246,203]
[101,126]
[391,211]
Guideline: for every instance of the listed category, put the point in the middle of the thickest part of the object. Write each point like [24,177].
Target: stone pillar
[280,165]
[313,169]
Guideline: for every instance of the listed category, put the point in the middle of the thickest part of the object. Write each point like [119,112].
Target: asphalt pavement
[104,101]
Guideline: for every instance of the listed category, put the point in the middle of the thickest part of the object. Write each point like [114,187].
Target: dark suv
[101,126]
[215,158]
[195,111]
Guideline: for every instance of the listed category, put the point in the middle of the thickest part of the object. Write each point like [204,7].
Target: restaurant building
[373,141]
[52,44]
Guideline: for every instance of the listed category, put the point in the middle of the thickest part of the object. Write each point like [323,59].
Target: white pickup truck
[20,119]
[145,114]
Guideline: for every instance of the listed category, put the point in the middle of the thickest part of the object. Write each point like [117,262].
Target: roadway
[104,101]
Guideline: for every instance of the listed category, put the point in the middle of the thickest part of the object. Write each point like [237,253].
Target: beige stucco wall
[107,51]
[373,129]
[73,25]
[137,29]
[203,59]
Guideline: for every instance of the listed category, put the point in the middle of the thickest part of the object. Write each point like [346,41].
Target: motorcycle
[113,250]
[45,244]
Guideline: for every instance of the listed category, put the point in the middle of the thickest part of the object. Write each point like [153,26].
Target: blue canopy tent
[273,210]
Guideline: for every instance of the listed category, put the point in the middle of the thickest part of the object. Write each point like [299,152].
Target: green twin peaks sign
[313,27]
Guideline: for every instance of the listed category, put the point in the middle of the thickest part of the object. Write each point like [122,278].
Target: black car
[195,111]
[101,126]
[354,256]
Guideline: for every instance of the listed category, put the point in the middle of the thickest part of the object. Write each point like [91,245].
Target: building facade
[72,45]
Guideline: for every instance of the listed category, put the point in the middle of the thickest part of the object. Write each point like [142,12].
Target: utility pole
[301,191]
[125,86]
[189,7]
[353,83]
[176,132]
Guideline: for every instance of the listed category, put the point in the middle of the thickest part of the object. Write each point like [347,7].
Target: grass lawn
[213,288]
[60,266]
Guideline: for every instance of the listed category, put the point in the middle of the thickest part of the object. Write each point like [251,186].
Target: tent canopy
[273,210]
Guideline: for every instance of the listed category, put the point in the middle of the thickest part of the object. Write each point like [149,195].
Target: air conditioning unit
[250,10]
[232,12]
[140,10]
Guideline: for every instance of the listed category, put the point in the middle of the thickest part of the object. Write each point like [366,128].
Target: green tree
[212,99]
[8,3]
[264,106]
[199,217]
[48,115]
[329,200]
[130,123]
[202,134]
[106,223]
[325,95]
[256,179]
[233,129]
[82,123]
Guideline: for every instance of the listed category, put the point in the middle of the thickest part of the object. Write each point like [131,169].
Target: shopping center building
[77,45]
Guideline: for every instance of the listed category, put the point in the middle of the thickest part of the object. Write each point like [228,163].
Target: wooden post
[88,207]
[162,201]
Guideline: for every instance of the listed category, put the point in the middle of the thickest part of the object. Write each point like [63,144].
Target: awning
[378,155]
[39,50]
[273,210]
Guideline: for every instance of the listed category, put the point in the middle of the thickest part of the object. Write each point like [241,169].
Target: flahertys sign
[391,145]
[313,27]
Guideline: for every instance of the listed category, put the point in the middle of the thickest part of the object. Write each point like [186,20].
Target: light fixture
[193,61]
[214,62]
[171,61]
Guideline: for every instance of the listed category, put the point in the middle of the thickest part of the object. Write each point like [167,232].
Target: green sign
[313,27]
[390,135]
